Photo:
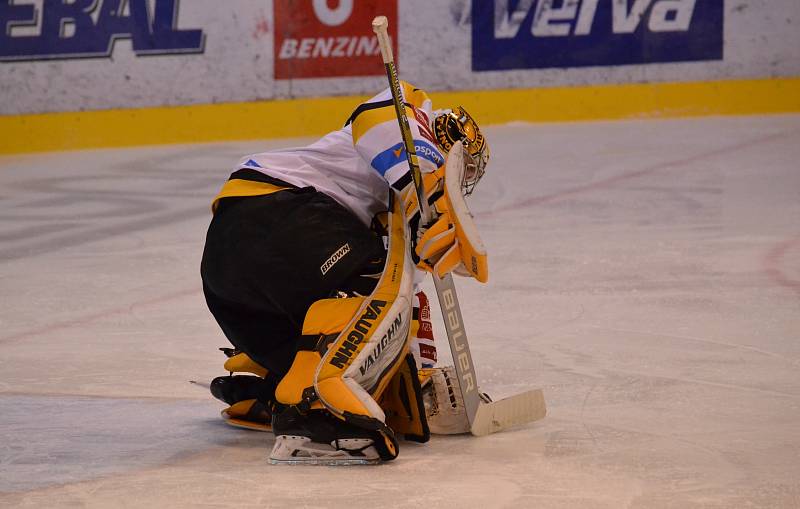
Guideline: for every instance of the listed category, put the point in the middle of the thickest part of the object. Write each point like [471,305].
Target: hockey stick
[484,417]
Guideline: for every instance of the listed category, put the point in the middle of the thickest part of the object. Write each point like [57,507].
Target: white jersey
[356,164]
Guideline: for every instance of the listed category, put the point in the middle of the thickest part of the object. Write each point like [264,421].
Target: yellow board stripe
[315,116]
[631,101]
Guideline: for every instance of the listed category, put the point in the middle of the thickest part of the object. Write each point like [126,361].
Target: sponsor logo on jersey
[318,38]
[423,123]
[396,154]
[424,307]
[58,29]
[427,352]
[357,333]
[577,33]
[335,257]
[426,151]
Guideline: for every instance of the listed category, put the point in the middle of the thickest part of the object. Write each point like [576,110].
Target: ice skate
[318,438]
[250,399]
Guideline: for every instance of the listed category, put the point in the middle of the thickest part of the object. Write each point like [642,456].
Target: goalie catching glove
[451,243]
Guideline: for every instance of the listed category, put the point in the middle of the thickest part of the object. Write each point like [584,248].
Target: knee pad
[324,321]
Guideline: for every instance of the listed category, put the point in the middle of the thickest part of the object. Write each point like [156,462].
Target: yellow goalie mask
[451,126]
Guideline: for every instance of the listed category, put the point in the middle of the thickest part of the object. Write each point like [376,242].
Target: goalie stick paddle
[484,418]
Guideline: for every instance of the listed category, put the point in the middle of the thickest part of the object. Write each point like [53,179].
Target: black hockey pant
[268,258]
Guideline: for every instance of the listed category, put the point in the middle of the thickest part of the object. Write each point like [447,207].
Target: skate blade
[325,462]
[296,450]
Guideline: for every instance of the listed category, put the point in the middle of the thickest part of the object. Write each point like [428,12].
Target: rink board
[316,116]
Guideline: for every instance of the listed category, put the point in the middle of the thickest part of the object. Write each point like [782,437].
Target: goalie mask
[457,125]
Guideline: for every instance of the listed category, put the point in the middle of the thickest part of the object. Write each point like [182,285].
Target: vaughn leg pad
[362,360]
[355,347]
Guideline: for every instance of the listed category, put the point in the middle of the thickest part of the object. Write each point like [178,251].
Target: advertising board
[533,34]
[317,39]
[58,30]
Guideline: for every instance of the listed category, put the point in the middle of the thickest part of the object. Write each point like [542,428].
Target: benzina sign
[320,38]
[88,28]
[530,34]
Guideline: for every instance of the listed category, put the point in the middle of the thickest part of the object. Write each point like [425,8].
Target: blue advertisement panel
[88,28]
[535,34]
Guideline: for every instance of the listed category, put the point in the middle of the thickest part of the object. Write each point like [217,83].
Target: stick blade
[519,409]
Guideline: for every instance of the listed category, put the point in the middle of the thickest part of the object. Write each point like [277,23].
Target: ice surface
[646,274]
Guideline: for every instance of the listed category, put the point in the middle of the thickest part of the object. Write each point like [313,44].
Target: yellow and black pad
[240,362]
[248,414]
[242,392]
[324,321]
[356,345]
[403,404]
[362,360]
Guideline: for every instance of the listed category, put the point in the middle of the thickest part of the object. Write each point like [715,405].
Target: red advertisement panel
[330,38]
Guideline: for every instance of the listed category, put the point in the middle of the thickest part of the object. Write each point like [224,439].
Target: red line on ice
[773,261]
[85,320]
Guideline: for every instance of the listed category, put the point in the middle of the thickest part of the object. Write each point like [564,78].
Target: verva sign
[534,34]
[324,38]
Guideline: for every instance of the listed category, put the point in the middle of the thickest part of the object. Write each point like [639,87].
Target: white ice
[645,274]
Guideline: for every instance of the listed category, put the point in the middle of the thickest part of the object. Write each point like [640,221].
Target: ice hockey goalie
[311,266]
